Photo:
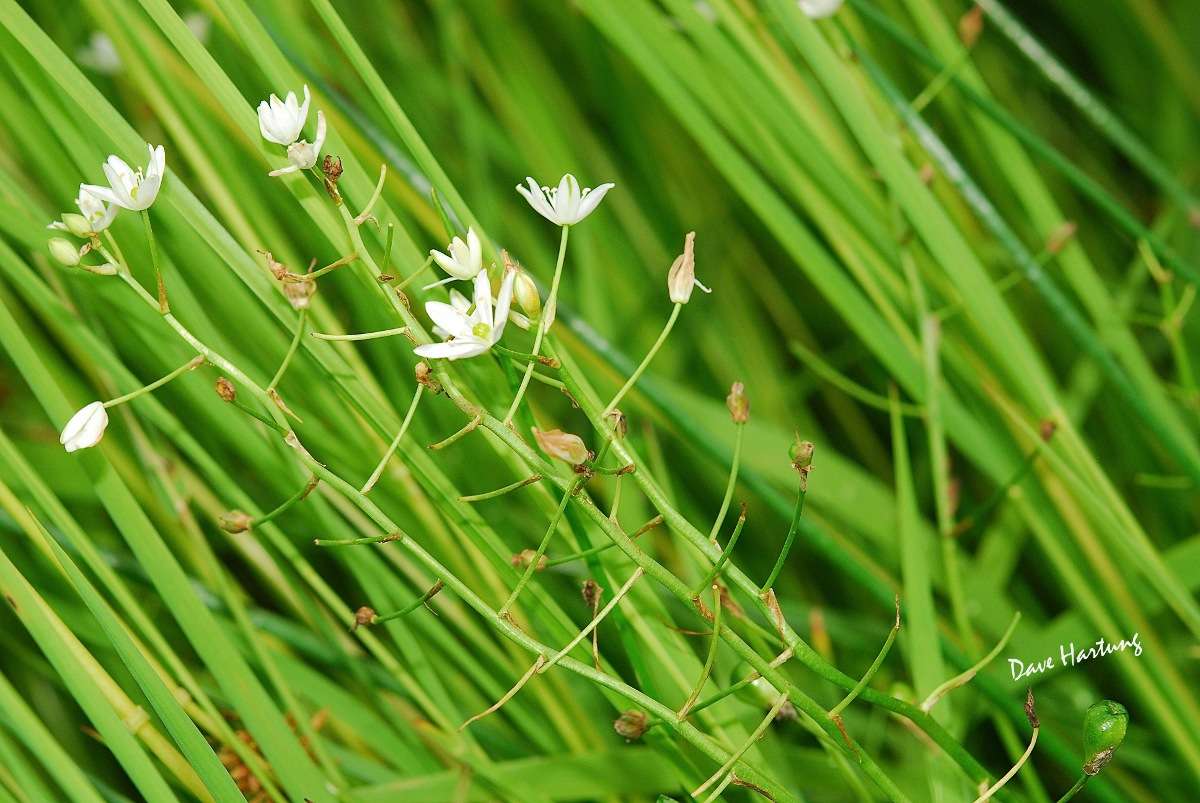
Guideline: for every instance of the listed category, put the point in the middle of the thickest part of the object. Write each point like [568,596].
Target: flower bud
[63,251]
[235,521]
[77,224]
[1104,727]
[86,427]
[226,389]
[526,294]
[738,404]
[681,279]
[562,445]
[107,269]
[631,724]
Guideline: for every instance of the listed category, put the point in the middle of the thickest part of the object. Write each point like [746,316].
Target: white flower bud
[526,294]
[86,427]
[63,251]
[77,224]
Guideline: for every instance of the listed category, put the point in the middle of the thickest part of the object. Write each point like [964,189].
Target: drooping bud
[1104,727]
[226,389]
[631,724]
[563,445]
[235,521]
[681,279]
[63,251]
[738,404]
[299,293]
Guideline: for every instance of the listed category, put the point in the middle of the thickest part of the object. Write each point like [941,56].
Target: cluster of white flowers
[282,122]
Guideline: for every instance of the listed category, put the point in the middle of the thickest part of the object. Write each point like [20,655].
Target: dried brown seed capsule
[562,445]
[363,616]
[235,521]
[525,557]
[738,404]
[225,389]
[631,724]
[299,293]
[592,592]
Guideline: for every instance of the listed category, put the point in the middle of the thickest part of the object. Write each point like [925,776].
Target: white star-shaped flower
[465,259]
[281,121]
[128,188]
[566,204]
[302,155]
[471,332]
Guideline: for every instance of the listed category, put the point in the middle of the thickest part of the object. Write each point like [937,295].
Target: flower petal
[453,349]
[592,200]
[448,318]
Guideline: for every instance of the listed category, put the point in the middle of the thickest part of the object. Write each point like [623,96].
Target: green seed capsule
[1104,727]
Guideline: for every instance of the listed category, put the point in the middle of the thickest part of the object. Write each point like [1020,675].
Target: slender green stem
[637,374]
[741,684]
[293,499]
[710,659]
[362,216]
[387,248]
[596,550]
[470,427]
[847,385]
[541,550]
[801,493]
[163,307]
[1082,782]
[1008,776]
[548,311]
[725,553]
[596,620]
[398,330]
[412,606]
[740,429]
[374,539]
[728,766]
[512,486]
[301,320]
[391,450]
[332,266]
[836,711]
[190,365]
[966,677]
[413,276]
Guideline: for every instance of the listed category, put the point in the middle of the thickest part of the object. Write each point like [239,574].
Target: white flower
[465,260]
[818,9]
[100,54]
[473,334]
[129,189]
[565,205]
[96,215]
[86,427]
[302,155]
[281,121]
[462,304]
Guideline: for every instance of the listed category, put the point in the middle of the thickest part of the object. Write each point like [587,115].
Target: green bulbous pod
[1104,727]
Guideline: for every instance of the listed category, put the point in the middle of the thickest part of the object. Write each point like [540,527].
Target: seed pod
[235,521]
[299,294]
[592,593]
[1104,727]
[738,404]
[363,616]
[631,724]
[525,557]
[562,445]
[226,389]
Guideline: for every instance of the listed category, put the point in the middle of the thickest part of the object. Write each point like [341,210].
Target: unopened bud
[226,389]
[235,521]
[63,251]
[631,724]
[738,404]
[363,616]
[970,26]
[681,279]
[77,224]
[299,293]
[562,445]
[527,295]
[525,557]
[1104,727]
